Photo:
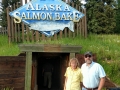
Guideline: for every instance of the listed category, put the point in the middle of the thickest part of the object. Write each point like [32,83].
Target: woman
[73,75]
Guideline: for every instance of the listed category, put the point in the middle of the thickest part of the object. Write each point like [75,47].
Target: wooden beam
[8,28]
[28,71]
[85,23]
[50,48]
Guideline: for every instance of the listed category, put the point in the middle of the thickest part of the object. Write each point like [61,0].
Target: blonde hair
[73,59]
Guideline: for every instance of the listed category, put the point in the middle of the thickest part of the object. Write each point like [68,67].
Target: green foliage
[3,14]
[117,29]
[8,49]
[101,17]
[7,88]
[106,48]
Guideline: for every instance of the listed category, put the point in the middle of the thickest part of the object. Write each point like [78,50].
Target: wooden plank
[61,33]
[83,29]
[85,23]
[12,58]
[27,34]
[12,62]
[8,23]
[69,33]
[11,80]
[65,32]
[18,27]
[12,27]
[71,49]
[16,85]
[37,36]
[23,28]
[21,2]
[63,66]
[43,37]
[49,48]
[25,1]
[55,36]
[28,71]
[19,88]
[74,33]
[33,33]
[80,24]
[52,48]
[13,30]
[11,71]
[12,75]
[36,71]
[15,26]
[33,76]
[12,66]
[77,24]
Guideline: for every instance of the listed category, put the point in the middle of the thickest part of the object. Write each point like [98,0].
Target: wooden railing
[3,31]
[21,32]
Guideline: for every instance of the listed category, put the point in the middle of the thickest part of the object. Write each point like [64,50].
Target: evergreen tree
[117,29]
[101,16]
[3,15]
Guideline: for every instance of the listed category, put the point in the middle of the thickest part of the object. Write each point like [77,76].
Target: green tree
[3,15]
[101,16]
[117,29]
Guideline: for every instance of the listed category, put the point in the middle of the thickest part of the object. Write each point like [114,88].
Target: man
[93,73]
[47,72]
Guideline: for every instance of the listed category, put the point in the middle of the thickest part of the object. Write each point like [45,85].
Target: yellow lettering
[17,19]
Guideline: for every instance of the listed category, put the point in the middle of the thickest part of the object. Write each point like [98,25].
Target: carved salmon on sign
[47,16]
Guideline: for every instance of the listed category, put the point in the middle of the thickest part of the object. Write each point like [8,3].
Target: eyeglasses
[88,56]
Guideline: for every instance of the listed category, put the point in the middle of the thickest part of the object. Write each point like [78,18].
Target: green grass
[107,48]
[6,49]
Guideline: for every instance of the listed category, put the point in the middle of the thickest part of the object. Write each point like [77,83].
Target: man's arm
[81,85]
[101,84]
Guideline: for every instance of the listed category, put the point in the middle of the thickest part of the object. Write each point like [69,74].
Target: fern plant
[7,88]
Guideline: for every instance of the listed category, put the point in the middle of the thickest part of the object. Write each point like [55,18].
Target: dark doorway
[55,61]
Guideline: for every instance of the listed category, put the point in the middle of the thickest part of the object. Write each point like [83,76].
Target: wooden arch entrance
[37,54]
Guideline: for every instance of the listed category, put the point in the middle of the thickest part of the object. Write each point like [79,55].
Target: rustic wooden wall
[21,33]
[3,31]
[12,72]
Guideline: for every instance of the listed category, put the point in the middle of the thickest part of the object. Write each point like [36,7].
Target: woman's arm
[65,83]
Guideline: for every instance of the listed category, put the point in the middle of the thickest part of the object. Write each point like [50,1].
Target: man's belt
[90,88]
